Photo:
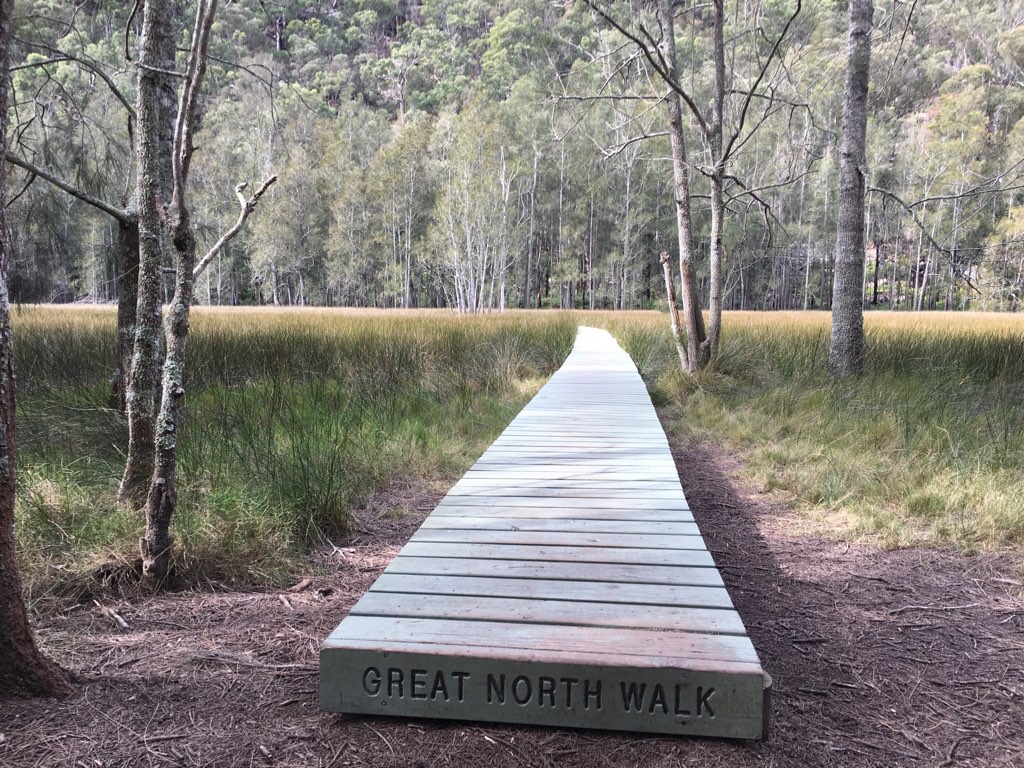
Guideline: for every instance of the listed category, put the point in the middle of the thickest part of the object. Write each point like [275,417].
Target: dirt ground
[909,658]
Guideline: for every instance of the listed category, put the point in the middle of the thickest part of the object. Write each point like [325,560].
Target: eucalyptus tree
[476,220]
[846,344]
[400,189]
[23,669]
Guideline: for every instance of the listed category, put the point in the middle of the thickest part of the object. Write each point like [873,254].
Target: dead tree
[23,669]
[846,345]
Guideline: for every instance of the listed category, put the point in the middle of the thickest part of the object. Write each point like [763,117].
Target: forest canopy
[512,154]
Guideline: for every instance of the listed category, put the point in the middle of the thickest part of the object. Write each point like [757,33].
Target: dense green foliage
[926,447]
[437,153]
[293,421]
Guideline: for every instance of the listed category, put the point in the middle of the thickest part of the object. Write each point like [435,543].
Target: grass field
[926,448]
[294,419]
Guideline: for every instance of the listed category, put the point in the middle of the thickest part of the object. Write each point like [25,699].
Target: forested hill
[449,153]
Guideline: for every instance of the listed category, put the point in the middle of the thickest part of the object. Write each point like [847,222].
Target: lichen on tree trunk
[162,498]
[127,304]
[142,383]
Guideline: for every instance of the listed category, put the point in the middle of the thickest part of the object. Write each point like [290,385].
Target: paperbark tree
[161,497]
[846,344]
[23,669]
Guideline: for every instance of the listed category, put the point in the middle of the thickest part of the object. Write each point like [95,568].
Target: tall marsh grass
[293,420]
[926,447]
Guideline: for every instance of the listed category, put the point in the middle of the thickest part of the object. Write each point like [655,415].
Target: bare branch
[617,148]
[85,197]
[184,128]
[127,28]
[246,208]
[760,76]
[656,61]
[30,179]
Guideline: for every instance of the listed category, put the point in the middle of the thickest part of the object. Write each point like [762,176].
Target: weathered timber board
[549,513]
[529,569]
[562,503]
[562,581]
[607,642]
[542,589]
[562,538]
[468,523]
[627,555]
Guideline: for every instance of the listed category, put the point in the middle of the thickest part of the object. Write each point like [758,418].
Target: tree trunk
[692,317]
[673,309]
[24,671]
[874,288]
[717,185]
[142,384]
[846,346]
[127,301]
[161,500]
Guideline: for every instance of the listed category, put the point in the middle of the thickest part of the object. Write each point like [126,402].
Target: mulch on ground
[905,658]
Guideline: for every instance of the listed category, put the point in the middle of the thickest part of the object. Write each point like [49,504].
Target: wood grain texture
[561,581]
[532,569]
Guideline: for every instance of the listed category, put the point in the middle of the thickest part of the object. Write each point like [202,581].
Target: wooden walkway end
[561,582]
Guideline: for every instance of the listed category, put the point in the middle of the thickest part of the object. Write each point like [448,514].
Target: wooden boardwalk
[561,582]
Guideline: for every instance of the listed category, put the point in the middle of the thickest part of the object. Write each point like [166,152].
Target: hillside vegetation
[440,153]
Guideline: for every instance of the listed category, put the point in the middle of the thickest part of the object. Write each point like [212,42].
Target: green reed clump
[926,447]
[293,419]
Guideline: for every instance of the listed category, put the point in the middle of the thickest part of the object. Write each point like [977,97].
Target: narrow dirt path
[908,658]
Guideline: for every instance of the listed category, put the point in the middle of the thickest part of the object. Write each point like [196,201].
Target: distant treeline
[485,155]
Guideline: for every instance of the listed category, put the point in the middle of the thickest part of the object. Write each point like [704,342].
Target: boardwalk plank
[562,612]
[553,570]
[540,589]
[562,538]
[494,523]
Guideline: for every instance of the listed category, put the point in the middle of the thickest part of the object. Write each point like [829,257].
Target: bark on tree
[142,384]
[673,309]
[719,162]
[24,671]
[161,497]
[692,316]
[846,345]
[127,299]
